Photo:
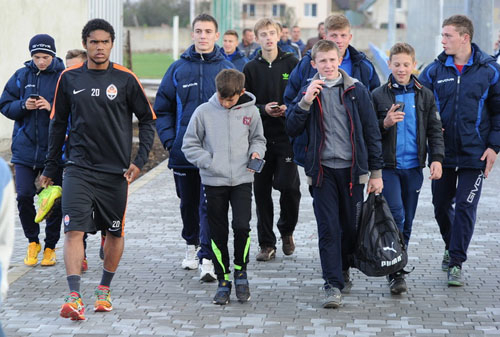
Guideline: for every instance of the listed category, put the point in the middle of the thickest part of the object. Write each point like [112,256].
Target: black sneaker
[333,297]
[446,260]
[397,283]
[223,293]
[347,282]
[266,254]
[241,286]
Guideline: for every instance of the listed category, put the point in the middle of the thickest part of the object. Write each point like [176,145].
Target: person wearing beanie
[27,99]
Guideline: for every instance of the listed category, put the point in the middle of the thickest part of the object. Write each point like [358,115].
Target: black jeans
[280,173]
[218,200]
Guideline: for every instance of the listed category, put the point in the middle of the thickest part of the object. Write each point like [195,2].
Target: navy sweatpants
[337,214]
[195,229]
[401,190]
[26,190]
[455,198]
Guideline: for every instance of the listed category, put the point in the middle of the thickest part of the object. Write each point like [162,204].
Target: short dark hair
[247,30]
[231,32]
[73,53]
[229,82]
[206,17]
[462,24]
[97,24]
[402,48]
[324,46]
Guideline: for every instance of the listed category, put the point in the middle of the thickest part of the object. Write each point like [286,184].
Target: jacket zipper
[455,121]
[321,143]
[36,122]
[351,136]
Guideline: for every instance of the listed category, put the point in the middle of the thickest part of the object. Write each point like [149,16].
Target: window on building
[278,10]
[399,4]
[249,9]
[310,10]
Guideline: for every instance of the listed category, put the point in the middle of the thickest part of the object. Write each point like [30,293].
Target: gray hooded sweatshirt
[220,141]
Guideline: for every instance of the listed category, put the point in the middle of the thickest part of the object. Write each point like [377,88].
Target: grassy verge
[151,65]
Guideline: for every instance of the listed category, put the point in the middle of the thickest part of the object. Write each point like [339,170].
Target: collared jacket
[239,59]
[362,70]
[364,131]
[31,128]
[469,105]
[220,141]
[188,83]
[428,123]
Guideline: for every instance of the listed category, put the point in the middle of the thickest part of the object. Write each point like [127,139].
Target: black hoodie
[267,81]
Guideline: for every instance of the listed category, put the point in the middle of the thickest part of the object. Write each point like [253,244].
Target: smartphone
[35,96]
[401,106]
[256,164]
[275,106]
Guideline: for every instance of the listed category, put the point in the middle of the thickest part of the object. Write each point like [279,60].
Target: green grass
[151,65]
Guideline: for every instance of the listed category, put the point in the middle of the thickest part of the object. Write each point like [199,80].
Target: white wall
[21,20]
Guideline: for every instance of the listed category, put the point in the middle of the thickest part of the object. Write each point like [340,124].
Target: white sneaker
[207,273]
[191,259]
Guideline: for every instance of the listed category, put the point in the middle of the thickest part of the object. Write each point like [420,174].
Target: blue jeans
[401,190]
[193,206]
[455,198]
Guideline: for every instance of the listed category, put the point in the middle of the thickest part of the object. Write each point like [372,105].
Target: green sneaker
[455,276]
[46,200]
[446,260]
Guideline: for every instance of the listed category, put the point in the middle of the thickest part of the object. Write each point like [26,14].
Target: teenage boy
[27,99]
[409,122]
[188,83]
[221,137]
[343,148]
[231,51]
[296,38]
[466,85]
[286,44]
[354,63]
[100,97]
[266,76]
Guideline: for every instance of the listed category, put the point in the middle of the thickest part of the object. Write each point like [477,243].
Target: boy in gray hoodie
[222,135]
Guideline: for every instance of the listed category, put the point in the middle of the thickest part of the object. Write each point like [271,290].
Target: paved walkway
[154,297]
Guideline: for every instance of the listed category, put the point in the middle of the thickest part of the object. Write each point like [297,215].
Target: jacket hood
[478,56]
[348,80]
[192,55]
[246,100]
[355,55]
[414,83]
[56,66]
[281,55]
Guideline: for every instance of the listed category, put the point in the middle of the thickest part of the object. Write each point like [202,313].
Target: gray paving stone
[153,296]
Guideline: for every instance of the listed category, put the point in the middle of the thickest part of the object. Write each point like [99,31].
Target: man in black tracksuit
[266,77]
[98,97]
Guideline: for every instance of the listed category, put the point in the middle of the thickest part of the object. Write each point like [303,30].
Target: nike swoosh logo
[77,91]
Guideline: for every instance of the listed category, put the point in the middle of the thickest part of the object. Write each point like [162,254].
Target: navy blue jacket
[362,70]
[469,105]
[31,127]
[188,82]
[365,133]
[239,59]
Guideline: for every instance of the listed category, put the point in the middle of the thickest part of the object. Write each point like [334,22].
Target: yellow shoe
[46,199]
[31,258]
[49,257]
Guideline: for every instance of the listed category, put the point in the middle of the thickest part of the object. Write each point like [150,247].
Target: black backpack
[380,247]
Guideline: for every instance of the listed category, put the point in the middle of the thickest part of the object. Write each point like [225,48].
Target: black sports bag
[380,247]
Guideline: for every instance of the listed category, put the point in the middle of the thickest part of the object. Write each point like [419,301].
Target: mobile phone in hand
[35,96]
[275,106]
[401,106]
[256,164]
